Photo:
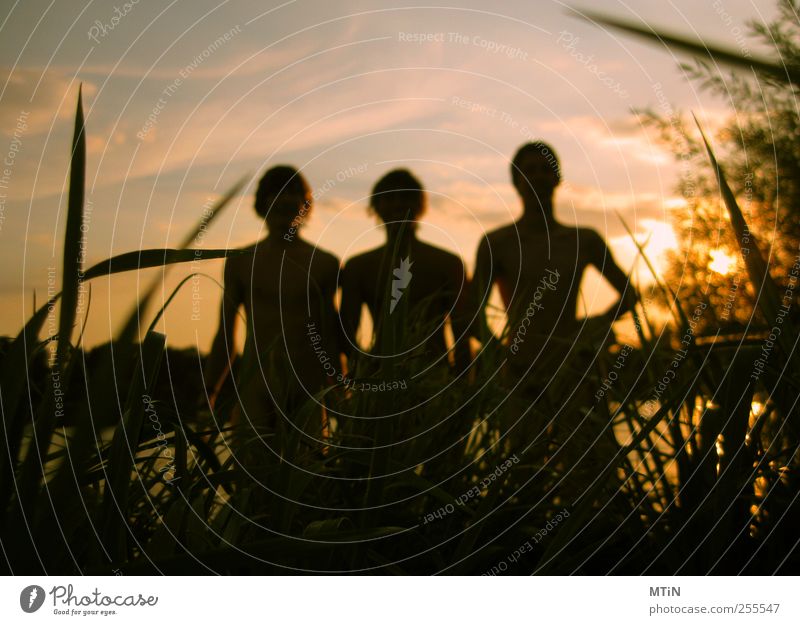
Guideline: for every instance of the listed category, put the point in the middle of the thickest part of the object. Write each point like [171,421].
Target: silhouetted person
[287,288]
[410,287]
[538,263]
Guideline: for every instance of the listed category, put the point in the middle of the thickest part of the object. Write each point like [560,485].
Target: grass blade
[665,288]
[133,322]
[699,48]
[147,259]
[73,238]
[33,469]
[767,292]
[583,508]
[124,444]
[13,382]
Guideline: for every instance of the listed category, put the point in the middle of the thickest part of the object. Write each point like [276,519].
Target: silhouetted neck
[401,234]
[286,239]
[537,213]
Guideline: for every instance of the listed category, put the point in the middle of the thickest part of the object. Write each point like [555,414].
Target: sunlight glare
[721,262]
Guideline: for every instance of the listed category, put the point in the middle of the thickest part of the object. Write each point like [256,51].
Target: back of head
[283,198]
[398,196]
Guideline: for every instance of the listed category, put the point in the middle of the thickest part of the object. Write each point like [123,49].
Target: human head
[398,196]
[283,198]
[535,170]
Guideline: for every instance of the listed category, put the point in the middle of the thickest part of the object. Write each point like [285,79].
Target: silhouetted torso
[425,298]
[286,289]
[543,267]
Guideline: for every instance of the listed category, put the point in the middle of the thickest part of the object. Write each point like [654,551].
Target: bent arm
[604,262]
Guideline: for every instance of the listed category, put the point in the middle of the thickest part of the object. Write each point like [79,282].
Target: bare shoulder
[589,234]
[241,261]
[496,245]
[326,260]
[238,270]
[502,235]
[366,262]
[321,264]
[245,253]
[591,240]
[440,257]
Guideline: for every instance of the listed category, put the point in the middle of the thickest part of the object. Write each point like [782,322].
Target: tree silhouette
[760,146]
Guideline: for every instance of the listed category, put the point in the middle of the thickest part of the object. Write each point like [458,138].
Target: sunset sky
[183,98]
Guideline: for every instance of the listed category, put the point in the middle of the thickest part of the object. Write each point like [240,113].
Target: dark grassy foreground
[677,455]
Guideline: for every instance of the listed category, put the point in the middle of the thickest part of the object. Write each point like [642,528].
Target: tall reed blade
[133,322]
[45,417]
[207,219]
[145,259]
[699,48]
[767,292]
[73,237]
[675,307]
